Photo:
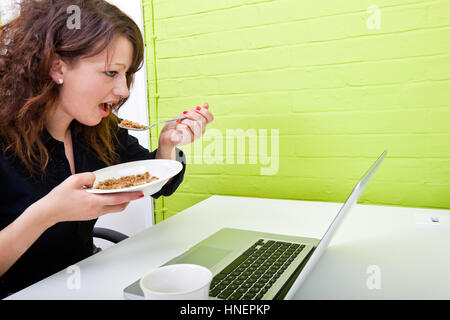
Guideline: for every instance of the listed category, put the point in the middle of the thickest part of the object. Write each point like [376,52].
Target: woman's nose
[121,88]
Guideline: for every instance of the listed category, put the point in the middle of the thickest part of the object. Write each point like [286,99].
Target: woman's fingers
[196,121]
[118,198]
[184,134]
[83,179]
[193,128]
[113,202]
[188,130]
[115,208]
[200,114]
[204,111]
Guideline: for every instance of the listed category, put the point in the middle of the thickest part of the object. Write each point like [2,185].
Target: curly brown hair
[28,45]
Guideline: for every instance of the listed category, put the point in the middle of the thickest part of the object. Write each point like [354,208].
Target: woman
[58,88]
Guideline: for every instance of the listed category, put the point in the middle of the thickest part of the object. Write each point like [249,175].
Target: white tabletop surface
[379,252]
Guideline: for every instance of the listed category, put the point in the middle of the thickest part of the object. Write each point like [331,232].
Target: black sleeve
[130,150]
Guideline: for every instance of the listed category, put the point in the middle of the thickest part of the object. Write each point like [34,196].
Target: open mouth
[105,107]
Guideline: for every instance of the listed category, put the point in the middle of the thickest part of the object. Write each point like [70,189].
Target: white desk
[413,260]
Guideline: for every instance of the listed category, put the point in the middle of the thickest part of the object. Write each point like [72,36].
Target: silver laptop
[250,265]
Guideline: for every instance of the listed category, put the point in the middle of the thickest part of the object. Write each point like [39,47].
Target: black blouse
[65,243]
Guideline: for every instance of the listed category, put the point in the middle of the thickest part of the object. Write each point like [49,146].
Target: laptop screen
[351,200]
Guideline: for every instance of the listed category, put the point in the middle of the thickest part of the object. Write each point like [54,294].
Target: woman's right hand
[70,202]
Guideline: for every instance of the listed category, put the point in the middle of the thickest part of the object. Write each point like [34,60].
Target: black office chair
[109,235]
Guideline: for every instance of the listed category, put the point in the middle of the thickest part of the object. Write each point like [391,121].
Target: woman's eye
[111,73]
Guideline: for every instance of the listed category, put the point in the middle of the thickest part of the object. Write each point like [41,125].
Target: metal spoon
[153,124]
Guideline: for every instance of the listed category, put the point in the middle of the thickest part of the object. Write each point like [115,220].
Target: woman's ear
[57,70]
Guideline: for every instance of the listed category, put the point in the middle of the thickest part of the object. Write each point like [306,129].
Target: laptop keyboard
[254,272]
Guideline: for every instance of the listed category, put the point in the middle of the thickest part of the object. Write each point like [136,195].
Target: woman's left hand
[178,133]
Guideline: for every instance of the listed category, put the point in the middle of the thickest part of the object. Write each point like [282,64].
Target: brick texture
[337,84]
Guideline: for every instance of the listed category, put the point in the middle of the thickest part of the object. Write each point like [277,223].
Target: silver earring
[60,81]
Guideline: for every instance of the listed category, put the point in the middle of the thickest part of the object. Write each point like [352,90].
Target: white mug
[177,282]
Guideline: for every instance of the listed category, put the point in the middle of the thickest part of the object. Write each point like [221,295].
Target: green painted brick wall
[318,90]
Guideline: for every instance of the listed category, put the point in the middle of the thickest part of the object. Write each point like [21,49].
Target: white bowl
[161,168]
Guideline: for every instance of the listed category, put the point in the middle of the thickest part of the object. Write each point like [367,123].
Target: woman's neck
[57,124]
